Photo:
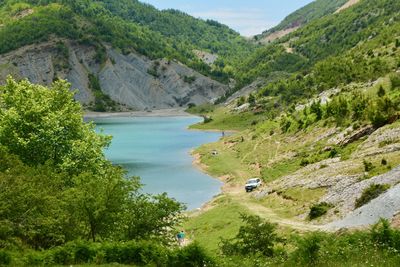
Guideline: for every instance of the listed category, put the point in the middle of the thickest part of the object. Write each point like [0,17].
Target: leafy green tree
[100,200]
[56,185]
[255,236]
[41,125]
[153,217]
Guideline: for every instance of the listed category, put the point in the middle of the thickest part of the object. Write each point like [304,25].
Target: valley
[310,107]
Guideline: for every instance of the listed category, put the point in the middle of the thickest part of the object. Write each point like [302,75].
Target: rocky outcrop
[132,80]
[385,206]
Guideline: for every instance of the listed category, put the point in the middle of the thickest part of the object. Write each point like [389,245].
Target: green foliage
[5,258]
[308,248]
[370,193]
[152,217]
[306,14]
[56,185]
[385,236]
[38,27]
[41,125]
[126,25]
[192,255]
[102,101]
[394,80]
[189,79]
[201,109]
[137,253]
[368,166]
[319,210]
[256,236]
[381,91]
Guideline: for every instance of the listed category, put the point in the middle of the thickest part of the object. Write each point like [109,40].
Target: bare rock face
[132,80]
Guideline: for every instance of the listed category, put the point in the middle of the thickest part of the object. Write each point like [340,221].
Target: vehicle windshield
[252,181]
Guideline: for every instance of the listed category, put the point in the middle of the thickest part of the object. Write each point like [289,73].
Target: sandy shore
[176,112]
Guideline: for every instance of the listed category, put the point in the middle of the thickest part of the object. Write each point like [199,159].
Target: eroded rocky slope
[131,80]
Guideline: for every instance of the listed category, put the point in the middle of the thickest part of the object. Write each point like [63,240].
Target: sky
[248,17]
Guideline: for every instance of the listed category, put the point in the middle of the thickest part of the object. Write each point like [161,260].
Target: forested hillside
[304,15]
[362,40]
[321,130]
[127,25]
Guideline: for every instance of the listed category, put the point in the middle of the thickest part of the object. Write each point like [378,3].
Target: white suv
[252,184]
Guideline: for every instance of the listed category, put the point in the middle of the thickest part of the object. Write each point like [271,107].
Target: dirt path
[239,196]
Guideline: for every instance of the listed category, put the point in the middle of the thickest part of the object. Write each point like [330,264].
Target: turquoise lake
[158,150]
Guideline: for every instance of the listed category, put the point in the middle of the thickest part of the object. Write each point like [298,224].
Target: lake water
[158,150]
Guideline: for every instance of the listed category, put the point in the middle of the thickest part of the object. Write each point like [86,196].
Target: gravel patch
[385,206]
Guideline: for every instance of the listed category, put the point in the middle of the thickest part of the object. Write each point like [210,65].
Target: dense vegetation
[57,187]
[358,44]
[128,25]
[306,14]
[258,243]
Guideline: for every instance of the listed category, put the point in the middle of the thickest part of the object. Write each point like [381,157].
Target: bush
[84,253]
[370,193]
[318,210]
[138,253]
[308,248]
[63,256]
[385,236]
[192,255]
[304,162]
[5,258]
[368,166]
[255,236]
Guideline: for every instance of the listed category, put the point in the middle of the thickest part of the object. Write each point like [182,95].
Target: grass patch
[200,109]
[293,201]
[220,221]
[221,119]
[226,162]
[280,169]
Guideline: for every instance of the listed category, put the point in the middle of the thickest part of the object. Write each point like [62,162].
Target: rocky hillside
[118,54]
[132,80]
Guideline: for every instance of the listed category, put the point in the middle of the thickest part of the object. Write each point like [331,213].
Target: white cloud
[248,22]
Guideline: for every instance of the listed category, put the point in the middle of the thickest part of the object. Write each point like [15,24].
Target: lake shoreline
[174,112]
[225,187]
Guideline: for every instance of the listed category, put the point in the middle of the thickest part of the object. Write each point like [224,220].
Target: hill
[127,28]
[319,125]
[347,40]
[315,10]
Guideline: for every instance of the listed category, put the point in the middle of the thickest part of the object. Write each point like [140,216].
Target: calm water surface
[157,149]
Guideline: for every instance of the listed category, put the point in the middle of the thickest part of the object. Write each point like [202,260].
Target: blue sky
[249,17]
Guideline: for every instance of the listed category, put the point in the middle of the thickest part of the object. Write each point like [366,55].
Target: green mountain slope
[304,15]
[128,25]
[354,37]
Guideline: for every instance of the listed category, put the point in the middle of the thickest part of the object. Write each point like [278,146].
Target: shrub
[384,162]
[381,91]
[304,162]
[318,210]
[333,153]
[370,193]
[5,258]
[84,253]
[63,256]
[308,248]
[394,80]
[207,119]
[255,236]
[192,255]
[368,166]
